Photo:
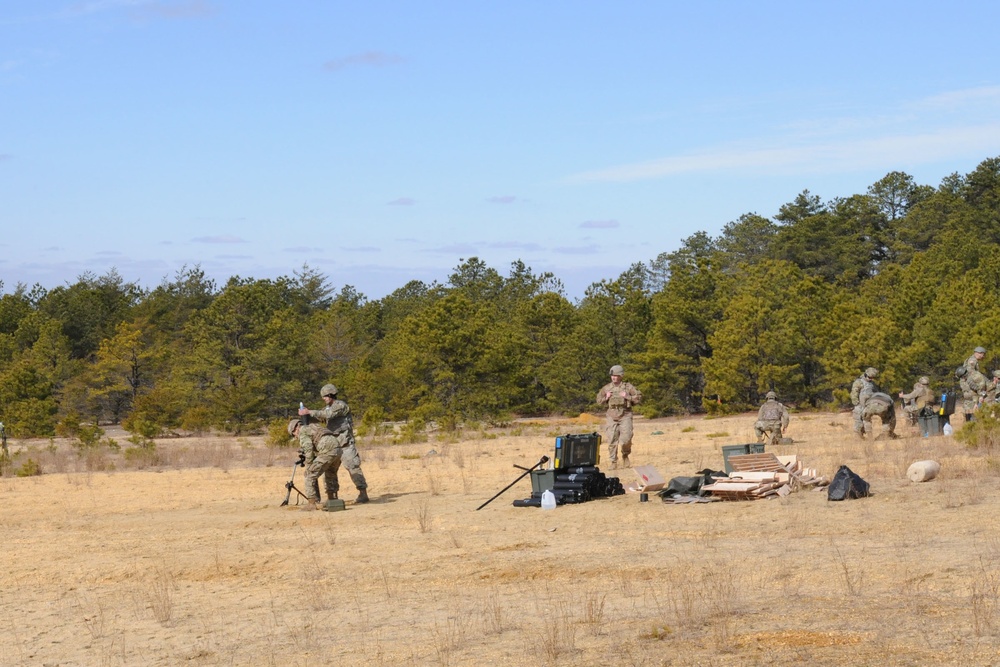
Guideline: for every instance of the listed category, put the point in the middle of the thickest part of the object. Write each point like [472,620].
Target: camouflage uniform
[322,450]
[877,404]
[992,390]
[337,416]
[973,391]
[921,397]
[863,384]
[972,363]
[619,397]
[772,418]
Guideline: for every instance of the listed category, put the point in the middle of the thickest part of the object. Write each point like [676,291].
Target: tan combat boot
[310,506]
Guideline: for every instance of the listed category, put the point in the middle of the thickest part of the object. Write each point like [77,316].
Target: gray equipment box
[739,450]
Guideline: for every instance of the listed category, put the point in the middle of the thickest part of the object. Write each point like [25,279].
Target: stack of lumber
[764,475]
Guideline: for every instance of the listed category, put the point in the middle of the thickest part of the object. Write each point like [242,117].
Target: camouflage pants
[859,424]
[886,415]
[326,463]
[773,428]
[619,433]
[969,401]
[352,461]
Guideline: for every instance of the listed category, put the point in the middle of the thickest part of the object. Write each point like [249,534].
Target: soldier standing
[972,363]
[921,397]
[863,385]
[772,418]
[973,385]
[337,416]
[619,396]
[321,450]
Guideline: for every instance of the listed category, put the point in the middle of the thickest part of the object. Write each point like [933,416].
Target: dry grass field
[193,562]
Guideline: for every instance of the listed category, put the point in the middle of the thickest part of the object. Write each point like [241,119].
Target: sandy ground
[200,566]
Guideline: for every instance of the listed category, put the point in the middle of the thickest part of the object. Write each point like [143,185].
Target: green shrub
[414,430]
[29,468]
[984,432]
[277,435]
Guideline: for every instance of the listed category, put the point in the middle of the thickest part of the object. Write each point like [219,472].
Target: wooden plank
[750,475]
[731,486]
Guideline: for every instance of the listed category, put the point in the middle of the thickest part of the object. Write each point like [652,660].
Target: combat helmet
[328,390]
[996,374]
[617,370]
[924,380]
[771,395]
[292,425]
[961,371]
[871,373]
[980,350]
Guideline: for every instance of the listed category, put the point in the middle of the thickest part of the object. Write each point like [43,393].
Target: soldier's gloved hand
[302,459]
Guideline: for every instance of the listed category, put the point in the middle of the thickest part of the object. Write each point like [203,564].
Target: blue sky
[380,142]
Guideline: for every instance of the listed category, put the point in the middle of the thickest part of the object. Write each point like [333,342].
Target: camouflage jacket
[773,411]
[337,416]
[314,439]
[976,382]
[972,363]
[858,387]
[867,391]
[618,404]
[920,396]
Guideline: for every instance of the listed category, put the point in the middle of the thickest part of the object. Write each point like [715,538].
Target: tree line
[905,278]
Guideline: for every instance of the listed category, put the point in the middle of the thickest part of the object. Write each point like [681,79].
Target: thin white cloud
[513,245]
[821,157]
[363,248]
[222,238]
[403,201]
[599,224]
[577,250]
[955,99]
[455,248]
[366,59]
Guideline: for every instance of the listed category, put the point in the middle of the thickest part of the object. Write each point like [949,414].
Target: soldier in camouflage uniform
[864,384]
[877,404]
[772,418]
[973,385]
[921,397]
[992,390]
[337,416]
[619,396]
[972,363]
[322,451]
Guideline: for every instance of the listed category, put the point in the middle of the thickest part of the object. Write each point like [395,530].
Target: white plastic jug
[947,430]
[548,500]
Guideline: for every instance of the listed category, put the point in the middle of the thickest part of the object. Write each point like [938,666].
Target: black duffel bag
[847,485]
